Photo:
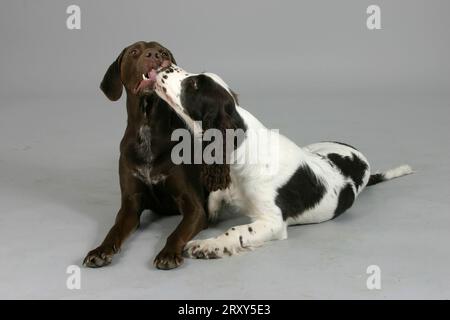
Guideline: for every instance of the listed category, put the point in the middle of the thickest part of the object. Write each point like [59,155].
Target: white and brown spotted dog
[288,185]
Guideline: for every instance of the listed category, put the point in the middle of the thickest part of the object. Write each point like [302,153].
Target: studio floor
[59,194]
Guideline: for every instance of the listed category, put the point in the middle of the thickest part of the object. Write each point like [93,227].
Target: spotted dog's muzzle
[168,86]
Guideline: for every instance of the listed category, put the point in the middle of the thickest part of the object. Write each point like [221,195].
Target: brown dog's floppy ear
[111,84]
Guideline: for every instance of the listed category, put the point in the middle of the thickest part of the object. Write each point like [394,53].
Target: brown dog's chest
[146,175]
[141,157]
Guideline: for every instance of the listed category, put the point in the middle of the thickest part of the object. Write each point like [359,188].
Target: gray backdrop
[315,46]
[309,68]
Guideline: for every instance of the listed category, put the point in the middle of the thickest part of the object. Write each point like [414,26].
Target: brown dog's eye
[165,54]
[134,52]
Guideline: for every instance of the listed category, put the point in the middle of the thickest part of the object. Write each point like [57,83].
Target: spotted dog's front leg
[216,199]
[237,240]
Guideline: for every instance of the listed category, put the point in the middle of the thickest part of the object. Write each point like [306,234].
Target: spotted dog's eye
[193,83]
[134,52]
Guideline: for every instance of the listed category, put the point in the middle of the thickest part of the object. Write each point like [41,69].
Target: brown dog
[148,178]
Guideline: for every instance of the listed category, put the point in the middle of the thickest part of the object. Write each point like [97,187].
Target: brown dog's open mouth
[149,80]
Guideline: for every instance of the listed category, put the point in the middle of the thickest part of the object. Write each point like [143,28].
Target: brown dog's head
[135,69]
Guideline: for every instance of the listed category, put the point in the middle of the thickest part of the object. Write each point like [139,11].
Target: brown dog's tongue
[152,75]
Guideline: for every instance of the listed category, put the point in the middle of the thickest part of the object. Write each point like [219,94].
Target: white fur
[398,172]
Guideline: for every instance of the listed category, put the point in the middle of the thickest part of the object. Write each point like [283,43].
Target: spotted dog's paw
[203,249]
[99,257]
[210,249]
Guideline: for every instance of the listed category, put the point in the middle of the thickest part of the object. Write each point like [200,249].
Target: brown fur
[145,148]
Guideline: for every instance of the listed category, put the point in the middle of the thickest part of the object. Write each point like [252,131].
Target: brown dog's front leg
[127,221]
[194,220]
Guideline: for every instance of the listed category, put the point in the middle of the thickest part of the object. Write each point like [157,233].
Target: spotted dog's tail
[390,174]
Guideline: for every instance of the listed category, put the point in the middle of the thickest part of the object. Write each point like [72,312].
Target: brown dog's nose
[153,54]
[152,57]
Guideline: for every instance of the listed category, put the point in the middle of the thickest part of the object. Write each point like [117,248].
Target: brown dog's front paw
[167,260]
[99,257]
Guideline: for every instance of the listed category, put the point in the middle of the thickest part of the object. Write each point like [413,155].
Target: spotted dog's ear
[111,84]
[216,176]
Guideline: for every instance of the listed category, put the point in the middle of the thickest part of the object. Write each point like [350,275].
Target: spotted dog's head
[206,98]
[135,69]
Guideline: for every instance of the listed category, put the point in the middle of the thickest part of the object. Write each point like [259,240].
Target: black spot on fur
[212,255]
[303,191]
[165,76]
[164,89]
[345,201]
[233,229]
[226,251]
[241,241]
[250,229]
[227,234]
[376,178]
[353,168]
